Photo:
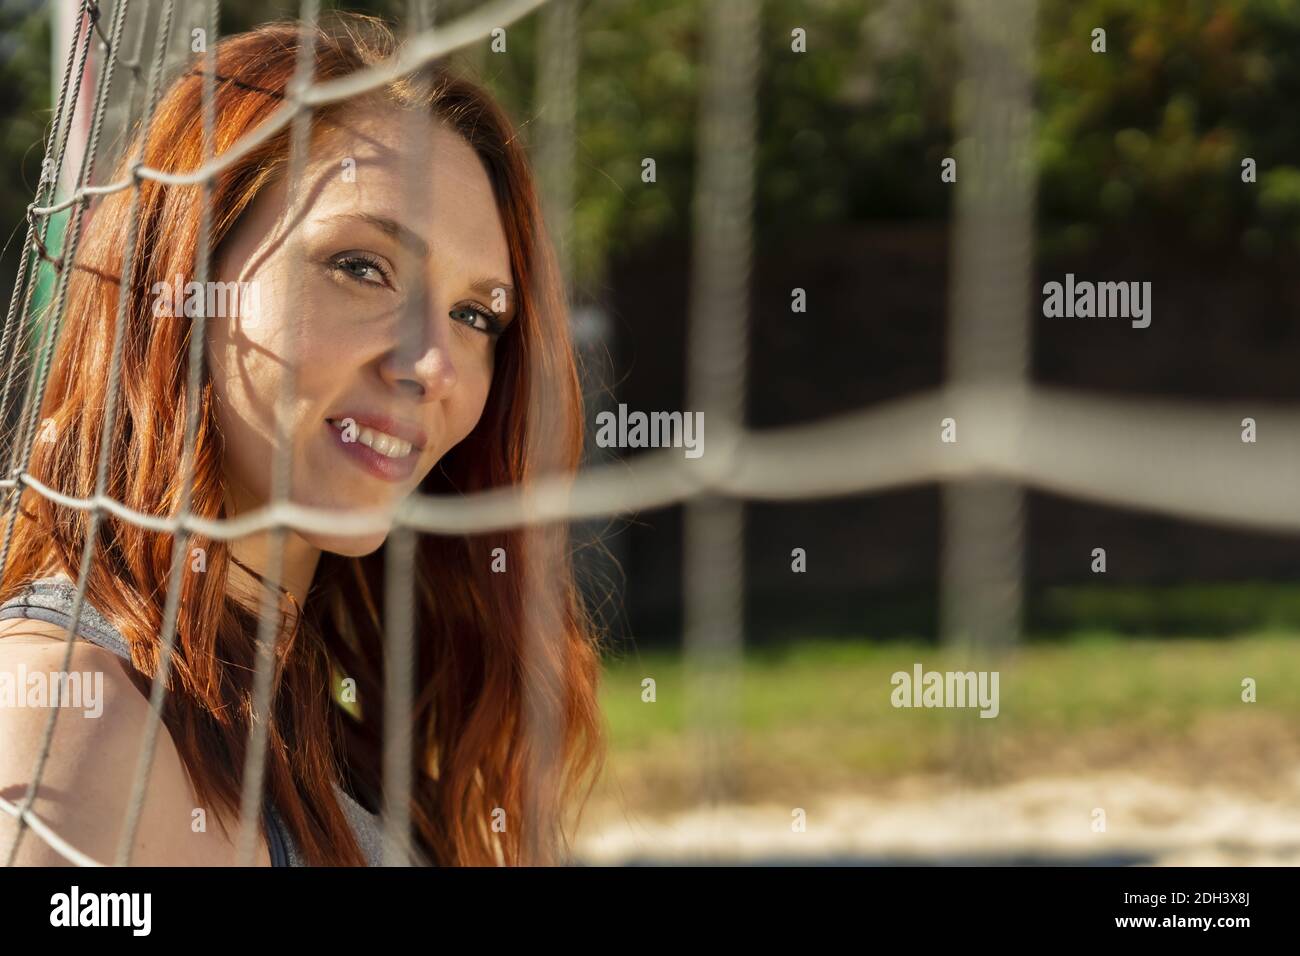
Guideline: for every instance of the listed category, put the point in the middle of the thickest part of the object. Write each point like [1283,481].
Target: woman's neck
[297,566]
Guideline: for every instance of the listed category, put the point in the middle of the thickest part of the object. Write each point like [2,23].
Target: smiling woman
[408,297]
[337,283]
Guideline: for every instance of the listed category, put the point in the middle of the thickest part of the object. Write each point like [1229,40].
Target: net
[1013,434]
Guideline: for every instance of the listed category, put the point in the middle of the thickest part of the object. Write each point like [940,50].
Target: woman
[412,296]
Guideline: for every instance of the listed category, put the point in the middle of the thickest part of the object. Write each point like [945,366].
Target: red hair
[494,651]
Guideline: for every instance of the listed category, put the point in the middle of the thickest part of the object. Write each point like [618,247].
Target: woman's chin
[350,546]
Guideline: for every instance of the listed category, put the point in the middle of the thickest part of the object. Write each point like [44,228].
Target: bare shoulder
[18,630]
[87,779]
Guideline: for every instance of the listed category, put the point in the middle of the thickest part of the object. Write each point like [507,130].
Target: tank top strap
[51,600]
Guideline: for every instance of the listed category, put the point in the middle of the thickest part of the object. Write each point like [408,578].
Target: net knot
[13,491]
[44,253]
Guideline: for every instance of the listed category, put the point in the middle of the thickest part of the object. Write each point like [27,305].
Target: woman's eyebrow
[390,227]
[488,287]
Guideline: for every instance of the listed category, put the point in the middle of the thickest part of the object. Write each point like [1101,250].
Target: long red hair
[495,652]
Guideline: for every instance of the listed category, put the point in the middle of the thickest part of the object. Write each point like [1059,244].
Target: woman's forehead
[406,145]
[415,171]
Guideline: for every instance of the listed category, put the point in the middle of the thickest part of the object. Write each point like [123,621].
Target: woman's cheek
[476,402]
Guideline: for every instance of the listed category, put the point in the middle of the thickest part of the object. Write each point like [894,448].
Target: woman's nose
[420,359]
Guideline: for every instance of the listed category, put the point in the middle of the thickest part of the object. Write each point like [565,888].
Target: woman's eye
[476,318]
[361,268]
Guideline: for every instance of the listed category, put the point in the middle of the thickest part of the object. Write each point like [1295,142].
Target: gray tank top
[50,600]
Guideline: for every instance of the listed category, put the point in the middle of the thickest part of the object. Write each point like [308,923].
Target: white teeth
[387,445]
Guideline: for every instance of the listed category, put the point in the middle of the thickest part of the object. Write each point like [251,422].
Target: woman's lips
[381,466]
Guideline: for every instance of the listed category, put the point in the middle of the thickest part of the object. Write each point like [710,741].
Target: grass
[819,712]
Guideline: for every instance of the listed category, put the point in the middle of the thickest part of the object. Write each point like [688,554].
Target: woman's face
[383,295]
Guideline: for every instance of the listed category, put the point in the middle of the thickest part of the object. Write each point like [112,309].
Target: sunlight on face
[386,294]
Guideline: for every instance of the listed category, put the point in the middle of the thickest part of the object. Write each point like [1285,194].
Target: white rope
[52,839]
[421,50]
[1128,452]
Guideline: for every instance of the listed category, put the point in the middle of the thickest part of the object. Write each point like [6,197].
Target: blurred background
[1120,691]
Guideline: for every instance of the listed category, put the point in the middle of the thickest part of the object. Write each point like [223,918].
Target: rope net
[1123,452]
